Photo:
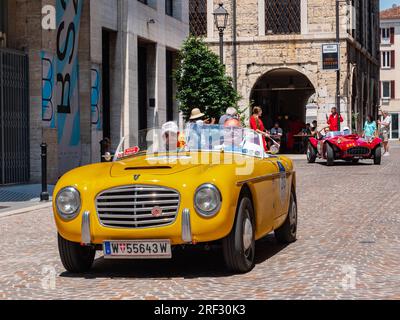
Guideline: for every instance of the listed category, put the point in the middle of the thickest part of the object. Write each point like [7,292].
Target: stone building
[75,72]
[390,68]
[279,55]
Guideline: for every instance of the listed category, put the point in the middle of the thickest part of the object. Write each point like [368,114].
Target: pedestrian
[332,121]
[257,125]
[385,131]
[231,113]
[196,116]
[314,128]
[369,128]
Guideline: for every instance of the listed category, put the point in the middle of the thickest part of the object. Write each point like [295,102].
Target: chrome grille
[358,151]
[132,206]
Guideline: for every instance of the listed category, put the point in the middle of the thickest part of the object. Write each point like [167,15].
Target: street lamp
[221,20]
[338,102]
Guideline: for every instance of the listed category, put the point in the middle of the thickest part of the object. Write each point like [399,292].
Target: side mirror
[107,156]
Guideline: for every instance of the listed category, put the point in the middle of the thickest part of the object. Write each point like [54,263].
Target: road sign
[330,56]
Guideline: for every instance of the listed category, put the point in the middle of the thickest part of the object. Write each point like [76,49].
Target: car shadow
[345,164]
[189,262]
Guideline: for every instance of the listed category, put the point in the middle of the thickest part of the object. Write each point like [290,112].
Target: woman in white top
[385,131]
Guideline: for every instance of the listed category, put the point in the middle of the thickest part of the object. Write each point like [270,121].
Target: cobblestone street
[348,248]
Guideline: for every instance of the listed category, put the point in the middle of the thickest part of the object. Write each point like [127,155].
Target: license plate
[137,249]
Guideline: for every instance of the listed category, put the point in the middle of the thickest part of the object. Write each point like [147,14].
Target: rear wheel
[74,257]
[239,245]
[378,155]
[355,160]
[330,155]
[287,233]
[311,153]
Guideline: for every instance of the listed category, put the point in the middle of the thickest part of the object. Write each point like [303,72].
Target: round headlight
[207,200]
[68,202]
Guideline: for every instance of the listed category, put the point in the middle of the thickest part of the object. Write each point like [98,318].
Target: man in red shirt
[333,120]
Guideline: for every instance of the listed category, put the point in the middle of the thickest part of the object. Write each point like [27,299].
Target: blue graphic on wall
[48,89]
[95,98]
[68,109]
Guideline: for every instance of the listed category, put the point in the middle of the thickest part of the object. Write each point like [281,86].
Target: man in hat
[169,133]
[197,117]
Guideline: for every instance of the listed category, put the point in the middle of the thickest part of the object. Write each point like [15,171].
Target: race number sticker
[282,182]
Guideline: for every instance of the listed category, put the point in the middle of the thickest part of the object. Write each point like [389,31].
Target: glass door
[394,132]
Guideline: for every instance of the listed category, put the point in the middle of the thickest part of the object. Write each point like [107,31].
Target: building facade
[390,69]
[279,55]
[87,70]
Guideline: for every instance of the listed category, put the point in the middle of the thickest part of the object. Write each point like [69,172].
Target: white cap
[346,129]
[169,127]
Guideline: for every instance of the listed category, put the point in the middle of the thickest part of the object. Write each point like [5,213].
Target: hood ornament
[136,177]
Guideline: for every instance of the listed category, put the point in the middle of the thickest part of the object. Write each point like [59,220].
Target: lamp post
[338,71]
[221,20]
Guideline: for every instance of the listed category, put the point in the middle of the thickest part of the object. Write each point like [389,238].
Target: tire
[239,246]
[355,161]
[311,153]
[74,257]
[287,233]
[378,156]
[330,155]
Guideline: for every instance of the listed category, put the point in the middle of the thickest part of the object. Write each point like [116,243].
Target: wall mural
[48,89]
[95,98]
[67,98]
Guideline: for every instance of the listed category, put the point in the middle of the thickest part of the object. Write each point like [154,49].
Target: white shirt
[385,124]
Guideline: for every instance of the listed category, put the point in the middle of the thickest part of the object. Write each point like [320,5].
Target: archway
[283,95]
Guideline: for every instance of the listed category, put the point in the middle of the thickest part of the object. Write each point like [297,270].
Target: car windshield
[332,134]
[193,138]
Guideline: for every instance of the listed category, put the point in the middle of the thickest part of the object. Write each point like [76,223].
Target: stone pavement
[348,248]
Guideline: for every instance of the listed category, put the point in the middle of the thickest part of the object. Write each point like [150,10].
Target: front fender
[314,142]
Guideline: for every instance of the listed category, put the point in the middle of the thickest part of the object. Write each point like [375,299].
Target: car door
[281,185]
[264,195]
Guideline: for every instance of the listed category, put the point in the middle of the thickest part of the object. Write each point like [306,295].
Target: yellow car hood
[152,165]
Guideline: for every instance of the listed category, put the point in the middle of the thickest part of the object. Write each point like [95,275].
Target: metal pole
[234,45]
[221,46]
[338,71]
[44,196]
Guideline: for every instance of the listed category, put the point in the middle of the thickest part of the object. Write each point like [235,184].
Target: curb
[25,210]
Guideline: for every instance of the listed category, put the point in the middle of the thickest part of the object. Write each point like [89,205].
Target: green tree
[202,81]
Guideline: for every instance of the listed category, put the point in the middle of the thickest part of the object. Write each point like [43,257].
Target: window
[282,16]
[385,35]
[388,90]
[198,17]
[386,59]
[143,1]
[169,7]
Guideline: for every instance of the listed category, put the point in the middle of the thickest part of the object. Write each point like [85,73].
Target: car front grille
[137,206]
[358,151]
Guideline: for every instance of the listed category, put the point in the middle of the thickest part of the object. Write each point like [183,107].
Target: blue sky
[388,3]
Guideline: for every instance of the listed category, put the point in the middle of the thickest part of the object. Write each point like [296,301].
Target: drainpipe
[234,48]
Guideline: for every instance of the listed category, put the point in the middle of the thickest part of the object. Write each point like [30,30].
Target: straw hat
[196,114]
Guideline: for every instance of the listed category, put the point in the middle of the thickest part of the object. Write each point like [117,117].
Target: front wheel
[311,153]
[74,257]
[378,156]
[330,155]
[287,233]
[239,246]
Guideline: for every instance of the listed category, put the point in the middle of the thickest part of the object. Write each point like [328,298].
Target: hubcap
[293,218]
[247,234]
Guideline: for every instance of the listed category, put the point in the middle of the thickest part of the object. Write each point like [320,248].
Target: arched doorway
[283,95]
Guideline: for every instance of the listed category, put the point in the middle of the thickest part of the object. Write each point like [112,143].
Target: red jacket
[333,122]
[258,125]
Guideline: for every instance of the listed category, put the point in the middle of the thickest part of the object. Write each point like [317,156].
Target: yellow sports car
[200,185]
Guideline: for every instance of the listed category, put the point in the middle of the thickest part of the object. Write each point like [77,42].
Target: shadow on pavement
[346,163]
[186,263]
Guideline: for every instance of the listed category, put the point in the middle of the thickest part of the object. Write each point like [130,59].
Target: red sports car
[343,146]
